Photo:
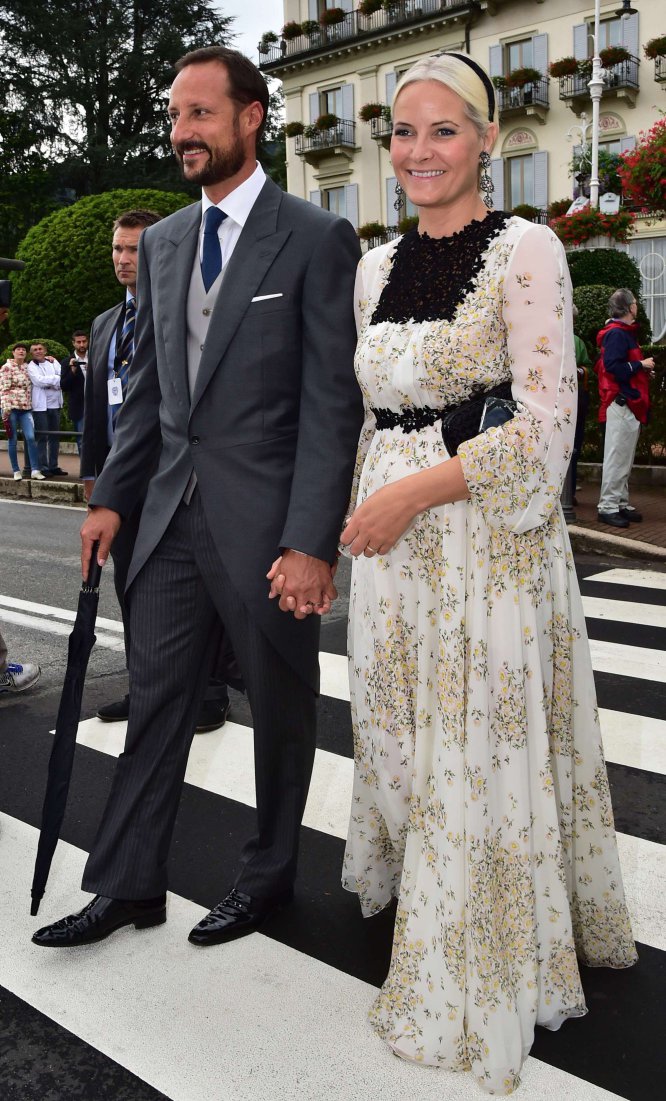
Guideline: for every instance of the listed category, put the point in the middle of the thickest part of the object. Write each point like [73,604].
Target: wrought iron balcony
[381,130]
[529,99]
[315,144]
[356,26]
[620,80]
[660,69]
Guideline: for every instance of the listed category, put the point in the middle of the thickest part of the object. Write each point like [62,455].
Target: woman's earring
[399,192]
[486,185]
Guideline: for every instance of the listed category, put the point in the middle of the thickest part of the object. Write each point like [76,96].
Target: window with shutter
[351,204]
[315,197]
[497,176]
[495,67]
[540,180]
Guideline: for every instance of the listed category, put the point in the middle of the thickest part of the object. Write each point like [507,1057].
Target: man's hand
[303,583]
[100,524]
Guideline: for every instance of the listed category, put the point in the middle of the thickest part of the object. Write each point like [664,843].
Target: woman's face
[19,355]
[435,147]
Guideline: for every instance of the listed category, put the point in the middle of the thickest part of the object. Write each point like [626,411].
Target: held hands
[377,524]
[102,524]
[304,584]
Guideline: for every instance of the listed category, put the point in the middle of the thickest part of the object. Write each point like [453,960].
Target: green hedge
[592,303]
[69,276]
[604,266]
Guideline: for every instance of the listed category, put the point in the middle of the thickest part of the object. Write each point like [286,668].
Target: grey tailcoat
[272,426]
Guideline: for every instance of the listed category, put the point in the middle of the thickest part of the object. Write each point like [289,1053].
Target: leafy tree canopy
[69,276]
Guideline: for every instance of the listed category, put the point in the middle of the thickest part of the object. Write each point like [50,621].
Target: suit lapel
[255,251]
[174,270]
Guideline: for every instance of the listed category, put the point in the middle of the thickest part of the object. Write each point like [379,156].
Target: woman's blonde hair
[461,78]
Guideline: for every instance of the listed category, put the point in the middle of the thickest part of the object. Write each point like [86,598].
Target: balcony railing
[660,68]
[390,234]
[316,143]
[624,75]
[381,130]
[516,100]
[356,25]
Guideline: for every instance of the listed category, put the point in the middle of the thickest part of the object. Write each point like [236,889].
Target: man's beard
[220,166]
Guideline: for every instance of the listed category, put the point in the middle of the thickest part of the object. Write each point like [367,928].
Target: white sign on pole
[578,204]
[609,203]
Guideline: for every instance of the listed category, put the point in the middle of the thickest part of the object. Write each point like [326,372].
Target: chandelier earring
[399,193]
[486,185]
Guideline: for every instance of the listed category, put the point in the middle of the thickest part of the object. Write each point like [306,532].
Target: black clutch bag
[470,418]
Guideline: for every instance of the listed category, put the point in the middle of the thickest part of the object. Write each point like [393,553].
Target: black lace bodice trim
[430,276]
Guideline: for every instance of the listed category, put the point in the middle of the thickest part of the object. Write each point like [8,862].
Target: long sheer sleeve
[515,472]
[368,429]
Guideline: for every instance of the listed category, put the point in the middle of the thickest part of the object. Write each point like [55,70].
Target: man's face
[124,252]
[211,135]
[80,345]
[38,353]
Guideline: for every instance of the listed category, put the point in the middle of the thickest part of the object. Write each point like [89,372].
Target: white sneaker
[18,476]
[16,678]
[37,476]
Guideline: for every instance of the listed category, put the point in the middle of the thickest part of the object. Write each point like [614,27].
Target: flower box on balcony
[613,55]
[566,66]
[371,230]
[292,30]
[588,225]
[311,27]
[268,39]
[374,111]
[326,121]
[293,129]
[369,7]
[330,16]
[520,77]
[655,48]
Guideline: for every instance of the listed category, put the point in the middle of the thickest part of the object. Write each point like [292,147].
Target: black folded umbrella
[81,642]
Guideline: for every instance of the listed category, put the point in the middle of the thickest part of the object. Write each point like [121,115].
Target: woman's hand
[377,524]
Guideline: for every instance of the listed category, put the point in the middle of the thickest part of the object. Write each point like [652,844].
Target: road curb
[70,493]
[601,542]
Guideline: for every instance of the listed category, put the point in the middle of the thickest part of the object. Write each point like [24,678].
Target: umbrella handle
[94,569]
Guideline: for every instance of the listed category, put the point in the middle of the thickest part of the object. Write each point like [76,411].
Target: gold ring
[368,547]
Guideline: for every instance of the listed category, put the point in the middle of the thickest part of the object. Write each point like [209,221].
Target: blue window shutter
[391,81]
[313,9]
[346,5]
[580,41]
[628,143]
[541,180]
[314,106]
[540,53]
[392,217]
[351,203]
[495,66]
[348,102]
[630,33]
[315,197]
[497,176]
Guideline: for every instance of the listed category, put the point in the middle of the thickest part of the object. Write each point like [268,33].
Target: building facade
[337,58]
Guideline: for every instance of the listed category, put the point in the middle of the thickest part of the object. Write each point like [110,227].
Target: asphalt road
[39,563]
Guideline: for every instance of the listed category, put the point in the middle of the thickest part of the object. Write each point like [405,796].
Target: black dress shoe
[236,916]
[99,919]
[614,519]
[632,515]
[212,715]
[114,712]
[57,472]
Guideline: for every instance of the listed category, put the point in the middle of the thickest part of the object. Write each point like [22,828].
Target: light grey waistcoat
[200,303]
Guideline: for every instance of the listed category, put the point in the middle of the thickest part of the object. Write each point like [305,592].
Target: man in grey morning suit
[243,376]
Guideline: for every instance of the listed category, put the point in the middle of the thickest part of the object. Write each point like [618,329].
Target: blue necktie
[211,256]
[124,352]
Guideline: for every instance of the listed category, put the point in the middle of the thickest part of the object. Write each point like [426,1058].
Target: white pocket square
[263,297]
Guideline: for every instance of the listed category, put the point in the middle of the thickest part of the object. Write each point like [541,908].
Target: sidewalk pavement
[646,540]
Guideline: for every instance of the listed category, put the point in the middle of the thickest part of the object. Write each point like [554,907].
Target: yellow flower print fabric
[480,793]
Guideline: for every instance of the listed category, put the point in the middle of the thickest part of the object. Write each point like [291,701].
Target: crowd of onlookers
[32,384]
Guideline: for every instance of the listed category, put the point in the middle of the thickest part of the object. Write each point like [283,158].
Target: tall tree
[94,75]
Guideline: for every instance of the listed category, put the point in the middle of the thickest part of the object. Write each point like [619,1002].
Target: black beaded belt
[412,418]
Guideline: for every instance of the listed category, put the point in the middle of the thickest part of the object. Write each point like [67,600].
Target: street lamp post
[596,87]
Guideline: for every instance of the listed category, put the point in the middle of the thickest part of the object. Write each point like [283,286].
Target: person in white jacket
[44,372]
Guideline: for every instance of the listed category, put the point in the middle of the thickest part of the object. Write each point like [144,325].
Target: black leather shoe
[614,519]
[632,515]
[57,472]
[236,916]
[99,919]
[212,715]
[114,712]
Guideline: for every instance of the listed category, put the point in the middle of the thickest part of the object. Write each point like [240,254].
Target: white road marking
[646,579]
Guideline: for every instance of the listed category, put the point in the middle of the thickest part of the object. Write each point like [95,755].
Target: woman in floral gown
[480,794]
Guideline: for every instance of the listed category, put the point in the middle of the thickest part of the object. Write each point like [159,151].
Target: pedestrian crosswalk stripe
[648,579]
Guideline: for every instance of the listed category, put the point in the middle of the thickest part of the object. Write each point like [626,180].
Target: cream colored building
[339,68]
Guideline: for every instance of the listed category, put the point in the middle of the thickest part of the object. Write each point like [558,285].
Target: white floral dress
[480,793]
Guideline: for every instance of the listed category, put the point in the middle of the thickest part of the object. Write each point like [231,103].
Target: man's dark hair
[79,332]
[20,345]
[246,84]
[130,219]
[40,344]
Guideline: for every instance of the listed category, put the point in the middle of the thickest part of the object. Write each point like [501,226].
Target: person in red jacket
[624,405]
